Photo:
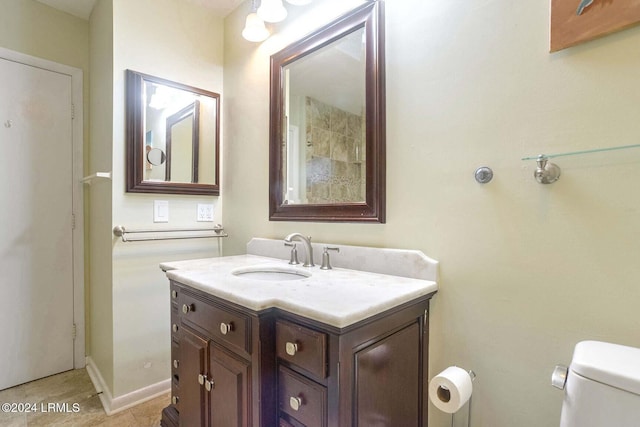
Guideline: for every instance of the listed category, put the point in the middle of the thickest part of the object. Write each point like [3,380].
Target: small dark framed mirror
[327,123]
[172,138]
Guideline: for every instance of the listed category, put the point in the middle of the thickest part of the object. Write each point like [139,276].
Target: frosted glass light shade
[254,29]
[272,11]
[299,2]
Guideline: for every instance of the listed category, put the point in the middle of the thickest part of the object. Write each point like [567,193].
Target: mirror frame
[369,16]
[135,140]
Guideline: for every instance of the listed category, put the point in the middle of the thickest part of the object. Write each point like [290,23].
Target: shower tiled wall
[335,160]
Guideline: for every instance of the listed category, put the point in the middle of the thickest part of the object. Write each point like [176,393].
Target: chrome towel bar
[122,232]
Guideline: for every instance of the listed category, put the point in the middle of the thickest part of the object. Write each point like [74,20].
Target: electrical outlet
[160,211]
[205,212]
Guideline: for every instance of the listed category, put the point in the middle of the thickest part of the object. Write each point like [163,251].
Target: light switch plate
[205,212]
[160,211]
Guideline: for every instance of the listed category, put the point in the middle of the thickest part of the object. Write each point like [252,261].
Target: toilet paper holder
[472,375]
[443,394]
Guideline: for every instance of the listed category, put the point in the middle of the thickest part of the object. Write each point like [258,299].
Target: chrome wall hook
[546,172]
[484,175]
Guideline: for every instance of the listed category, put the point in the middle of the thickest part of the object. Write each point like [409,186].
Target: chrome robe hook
[546,172]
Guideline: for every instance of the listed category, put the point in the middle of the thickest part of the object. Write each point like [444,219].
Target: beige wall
[33,28]
[527,270]
[99,309]
[182,42]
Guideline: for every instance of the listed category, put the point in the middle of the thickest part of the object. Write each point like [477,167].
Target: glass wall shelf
[575,153]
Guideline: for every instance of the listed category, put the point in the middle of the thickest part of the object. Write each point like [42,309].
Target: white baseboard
[113,405]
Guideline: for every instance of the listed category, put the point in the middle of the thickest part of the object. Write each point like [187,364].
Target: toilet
[602,386]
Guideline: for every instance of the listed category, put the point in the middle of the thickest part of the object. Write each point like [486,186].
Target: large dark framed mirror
[327,156]
[173,133]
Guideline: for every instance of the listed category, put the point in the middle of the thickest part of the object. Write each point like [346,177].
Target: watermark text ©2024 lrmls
[40,407]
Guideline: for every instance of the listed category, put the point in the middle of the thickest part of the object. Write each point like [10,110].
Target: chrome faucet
[306,241]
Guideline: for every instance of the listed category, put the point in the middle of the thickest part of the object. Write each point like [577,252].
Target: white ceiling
[82,8]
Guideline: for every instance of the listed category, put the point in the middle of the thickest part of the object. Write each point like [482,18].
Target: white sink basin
[273,273]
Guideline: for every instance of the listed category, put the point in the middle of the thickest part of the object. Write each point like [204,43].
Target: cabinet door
[387,380]
[193,356]
[229,396]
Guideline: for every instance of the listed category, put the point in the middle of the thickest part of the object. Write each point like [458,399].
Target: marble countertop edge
[364,281]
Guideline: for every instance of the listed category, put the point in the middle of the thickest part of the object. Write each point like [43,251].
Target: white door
[36,243]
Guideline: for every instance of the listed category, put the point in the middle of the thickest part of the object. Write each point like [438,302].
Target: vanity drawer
[175,396]
[175,327]
[302,347]
[301,398]
[225,325]
[284,423]
[175,318]
[175,361]
[174,290]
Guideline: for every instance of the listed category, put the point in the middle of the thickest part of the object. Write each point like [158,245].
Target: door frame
[77,133]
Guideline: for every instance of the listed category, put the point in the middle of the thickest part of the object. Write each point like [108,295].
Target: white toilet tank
[603,386]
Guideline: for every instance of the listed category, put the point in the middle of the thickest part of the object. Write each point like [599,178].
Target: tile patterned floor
[73,387]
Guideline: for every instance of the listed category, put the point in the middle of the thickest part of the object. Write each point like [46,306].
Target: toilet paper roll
[450,389]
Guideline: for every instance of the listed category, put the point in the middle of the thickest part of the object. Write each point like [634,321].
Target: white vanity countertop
[338,297]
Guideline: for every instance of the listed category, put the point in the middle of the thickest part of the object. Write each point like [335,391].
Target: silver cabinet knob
[295,403]
[174,294]
[208,384]
[559,377]
[186,308]
[291,348]
[225,328]
[174,327]
[176,363]
[175,400]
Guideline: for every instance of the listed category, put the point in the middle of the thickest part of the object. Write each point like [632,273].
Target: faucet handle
[326,262]
[294,254]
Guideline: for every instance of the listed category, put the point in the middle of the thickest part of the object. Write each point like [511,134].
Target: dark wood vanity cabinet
[375,372]
[234,368]
[222,375]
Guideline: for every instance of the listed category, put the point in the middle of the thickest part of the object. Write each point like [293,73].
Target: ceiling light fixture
[254,29]
[272,11]
[269,11]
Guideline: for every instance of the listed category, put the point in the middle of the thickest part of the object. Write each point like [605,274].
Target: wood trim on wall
[577,21]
